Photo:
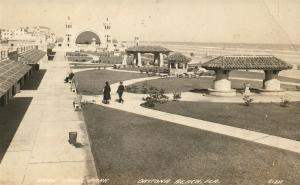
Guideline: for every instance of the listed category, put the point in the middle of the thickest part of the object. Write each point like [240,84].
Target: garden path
[133,101]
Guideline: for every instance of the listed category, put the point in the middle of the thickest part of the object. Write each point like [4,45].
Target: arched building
[77,38]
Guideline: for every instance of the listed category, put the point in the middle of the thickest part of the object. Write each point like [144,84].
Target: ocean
[203,51]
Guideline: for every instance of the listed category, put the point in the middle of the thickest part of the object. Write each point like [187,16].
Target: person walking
[120,92]
[106,93]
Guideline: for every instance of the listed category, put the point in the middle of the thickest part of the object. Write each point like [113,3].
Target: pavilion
[136,51]
[12,77]
[32,58]
[178,63]
[222,66]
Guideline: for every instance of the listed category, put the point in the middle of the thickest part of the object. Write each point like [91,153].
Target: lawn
[79,58]
[128,147]
[84,66]
[268,118]
[144,68]
[196,84]
[91,82]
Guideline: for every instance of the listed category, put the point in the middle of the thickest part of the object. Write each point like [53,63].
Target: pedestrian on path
[120,92]
[106,93]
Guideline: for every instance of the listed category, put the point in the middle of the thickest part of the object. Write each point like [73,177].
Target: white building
[38,35]
[80,38]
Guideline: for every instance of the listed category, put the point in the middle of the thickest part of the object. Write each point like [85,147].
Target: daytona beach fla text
[178,181]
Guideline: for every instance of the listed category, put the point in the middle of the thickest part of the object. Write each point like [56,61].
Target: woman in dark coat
[106,93]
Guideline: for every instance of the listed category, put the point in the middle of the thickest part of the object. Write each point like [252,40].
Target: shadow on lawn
[202,91]
[11,117]
[34,82]
[238,90]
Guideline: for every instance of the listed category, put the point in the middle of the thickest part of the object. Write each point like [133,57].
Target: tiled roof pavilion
[178,57]
[147,49]
[10,73]
[246,62]
[157,51]
[223,64]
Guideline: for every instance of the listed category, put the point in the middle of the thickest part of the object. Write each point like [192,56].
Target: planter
[72,137]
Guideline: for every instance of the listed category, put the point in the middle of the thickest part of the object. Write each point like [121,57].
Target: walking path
[132,105]
[190,96]
[39,152]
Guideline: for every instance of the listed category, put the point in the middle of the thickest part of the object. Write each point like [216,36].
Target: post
[161,59]
[124,62]
[222,84]
[139,59]
[156,56]
[135,59]
[271,83]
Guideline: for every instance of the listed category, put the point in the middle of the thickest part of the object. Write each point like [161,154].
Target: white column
[156,59]
[124,62]
[270,82]
[134,59]
[221,83]
[139,59]
[161,59]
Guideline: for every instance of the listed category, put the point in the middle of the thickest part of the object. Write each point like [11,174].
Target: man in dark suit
[120,92]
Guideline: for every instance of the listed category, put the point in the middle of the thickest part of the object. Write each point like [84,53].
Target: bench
[76,104]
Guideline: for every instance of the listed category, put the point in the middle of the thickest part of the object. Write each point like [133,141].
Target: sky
[233,21]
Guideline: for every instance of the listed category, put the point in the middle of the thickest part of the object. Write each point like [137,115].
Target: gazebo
[136,51]
[222,65]
[178,63]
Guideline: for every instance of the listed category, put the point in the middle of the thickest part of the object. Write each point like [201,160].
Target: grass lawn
[195,84]
[94,65]
[142,68]
[92,82]
[268,118]
[79,58]
[11,116]
[128,147]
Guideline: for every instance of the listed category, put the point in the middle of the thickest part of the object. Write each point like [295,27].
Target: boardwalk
[39,152]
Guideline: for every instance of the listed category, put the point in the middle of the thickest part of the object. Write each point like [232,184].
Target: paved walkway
[132,105]
[190,96]
[39,152]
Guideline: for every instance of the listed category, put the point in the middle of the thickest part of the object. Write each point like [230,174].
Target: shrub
[284,102]
[134,89]
[176,95]
[148,103]
[247,100]
[145,89]
[155,96]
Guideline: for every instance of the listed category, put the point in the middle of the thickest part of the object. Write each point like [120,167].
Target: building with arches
[77,38]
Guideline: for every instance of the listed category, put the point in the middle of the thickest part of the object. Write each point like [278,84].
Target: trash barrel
[72,137]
